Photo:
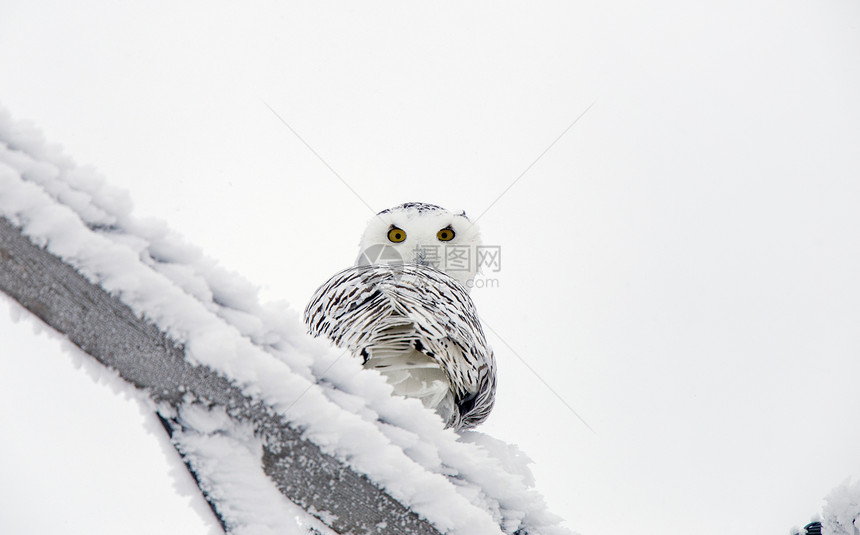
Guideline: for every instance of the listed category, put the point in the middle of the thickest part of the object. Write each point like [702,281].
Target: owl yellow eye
[446,234]
[396,235]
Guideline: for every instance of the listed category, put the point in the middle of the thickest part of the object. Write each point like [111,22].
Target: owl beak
[421,257]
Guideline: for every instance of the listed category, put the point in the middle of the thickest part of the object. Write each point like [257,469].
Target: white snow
[227,458]
[463,484]
[841,514]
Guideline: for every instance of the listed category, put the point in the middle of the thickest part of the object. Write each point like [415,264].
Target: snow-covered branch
[282,433]
[108,330]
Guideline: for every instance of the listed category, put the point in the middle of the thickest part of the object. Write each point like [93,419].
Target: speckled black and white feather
[424,317]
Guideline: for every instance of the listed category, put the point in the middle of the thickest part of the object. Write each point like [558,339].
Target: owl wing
[395,307]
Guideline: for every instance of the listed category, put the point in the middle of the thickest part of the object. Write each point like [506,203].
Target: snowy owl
[404,308]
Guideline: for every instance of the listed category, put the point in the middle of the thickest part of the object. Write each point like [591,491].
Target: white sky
[681,267]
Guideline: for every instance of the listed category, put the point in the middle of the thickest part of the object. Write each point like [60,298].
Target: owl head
[426,234]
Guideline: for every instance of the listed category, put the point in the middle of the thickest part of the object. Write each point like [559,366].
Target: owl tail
[415,375]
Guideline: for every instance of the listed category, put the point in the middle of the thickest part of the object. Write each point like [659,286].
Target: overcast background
[680,267]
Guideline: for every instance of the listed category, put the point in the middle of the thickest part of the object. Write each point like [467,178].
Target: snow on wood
[108,330]
[273,423]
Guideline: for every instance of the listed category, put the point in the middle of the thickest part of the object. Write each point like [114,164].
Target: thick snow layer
[842,510]
[465,483]
[226,457]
